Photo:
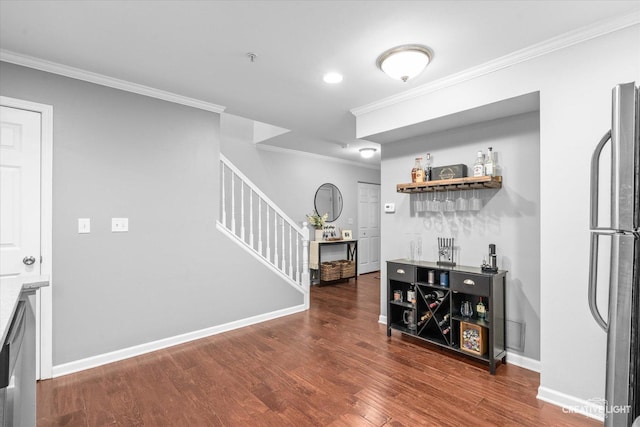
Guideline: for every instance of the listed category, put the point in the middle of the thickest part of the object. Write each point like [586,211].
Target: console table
[315,253]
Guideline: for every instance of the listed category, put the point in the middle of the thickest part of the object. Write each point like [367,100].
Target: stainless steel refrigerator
[615,231]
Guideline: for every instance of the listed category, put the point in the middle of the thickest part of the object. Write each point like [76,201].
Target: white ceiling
[199,49]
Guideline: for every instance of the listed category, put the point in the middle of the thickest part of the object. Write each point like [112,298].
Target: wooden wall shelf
[455,184]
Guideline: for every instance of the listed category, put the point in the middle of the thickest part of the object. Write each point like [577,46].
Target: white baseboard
[524,362]
[382,319]
[125,353]
[592,408]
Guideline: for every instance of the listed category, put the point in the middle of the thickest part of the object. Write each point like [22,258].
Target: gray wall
[510,217]
[118,154]
[291,178]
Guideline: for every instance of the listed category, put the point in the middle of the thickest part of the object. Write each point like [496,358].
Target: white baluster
[242,228]
[275,239]
[251,219]
[284,251]
[268,240]
[290,252]
[224,199]
[233,203]
[260,248]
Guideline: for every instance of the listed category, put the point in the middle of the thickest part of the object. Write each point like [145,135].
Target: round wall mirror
[328,200]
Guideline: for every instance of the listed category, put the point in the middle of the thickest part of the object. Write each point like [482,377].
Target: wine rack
[434,314]
[454,184]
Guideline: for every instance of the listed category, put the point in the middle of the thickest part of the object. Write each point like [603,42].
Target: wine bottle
[437,294]
[427,168]
[435,304]
[446,330]
[444,321]
[425,318]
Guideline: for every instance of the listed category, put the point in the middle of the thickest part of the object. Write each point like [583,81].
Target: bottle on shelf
[444,321]
[446,330]
[478,166]
[489,164]
[417,173]
[481,309]
[435,303]
[425,318]
[436,294]
[428,168]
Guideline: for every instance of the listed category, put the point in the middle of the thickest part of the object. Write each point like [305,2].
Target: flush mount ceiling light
[404,62]
[367,153]
[332,77]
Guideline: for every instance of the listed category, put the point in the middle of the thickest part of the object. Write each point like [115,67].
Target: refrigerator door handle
[593,285]
[595,173]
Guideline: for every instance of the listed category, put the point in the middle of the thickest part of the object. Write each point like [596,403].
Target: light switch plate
[389,207]
[119,225]
[84,225]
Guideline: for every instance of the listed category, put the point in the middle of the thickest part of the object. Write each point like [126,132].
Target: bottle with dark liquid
[428,176]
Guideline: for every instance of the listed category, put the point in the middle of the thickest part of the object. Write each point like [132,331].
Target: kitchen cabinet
[425,301]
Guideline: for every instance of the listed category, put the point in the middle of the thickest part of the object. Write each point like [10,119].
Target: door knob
[29,260]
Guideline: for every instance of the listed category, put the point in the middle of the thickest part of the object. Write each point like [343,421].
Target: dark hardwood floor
[330,366]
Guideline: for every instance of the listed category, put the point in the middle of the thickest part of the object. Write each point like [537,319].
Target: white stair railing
[273,238]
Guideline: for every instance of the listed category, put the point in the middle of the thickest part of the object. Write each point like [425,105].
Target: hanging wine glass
[462,204]
[475,204]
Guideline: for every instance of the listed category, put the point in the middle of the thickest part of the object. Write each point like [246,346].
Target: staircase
[252,220]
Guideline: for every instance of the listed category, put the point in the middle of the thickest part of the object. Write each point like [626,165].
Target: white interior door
[368,227]
[25,207]
[19,192]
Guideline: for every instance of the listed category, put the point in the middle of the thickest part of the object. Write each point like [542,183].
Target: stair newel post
[306,277]
[224,198]
[242,227]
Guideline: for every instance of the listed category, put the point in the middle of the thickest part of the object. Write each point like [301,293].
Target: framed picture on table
[347,235]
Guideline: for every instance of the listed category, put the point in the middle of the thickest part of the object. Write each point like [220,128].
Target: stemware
[462,204]
[449,204]
[475,204]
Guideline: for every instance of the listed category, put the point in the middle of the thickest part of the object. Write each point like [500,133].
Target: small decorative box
[449,172]
[473,339]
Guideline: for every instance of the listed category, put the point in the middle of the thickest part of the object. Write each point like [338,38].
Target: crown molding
[88,76]
[539,49]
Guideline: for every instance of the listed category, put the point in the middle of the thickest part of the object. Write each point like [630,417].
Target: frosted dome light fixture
[404,62]
[368,152]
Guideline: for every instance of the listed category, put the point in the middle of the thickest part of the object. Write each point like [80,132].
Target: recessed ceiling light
[404,62]
[367,152]
[332,77]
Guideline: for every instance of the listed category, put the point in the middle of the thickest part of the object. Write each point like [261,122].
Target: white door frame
[44,303]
